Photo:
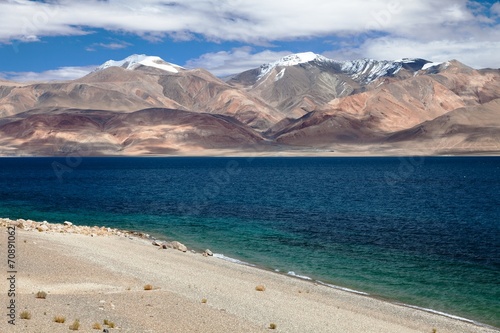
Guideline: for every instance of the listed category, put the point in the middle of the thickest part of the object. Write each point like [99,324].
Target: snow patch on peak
[134,61]
[432,64]
[370,69]
[299,58]
[291,60]
[279,76]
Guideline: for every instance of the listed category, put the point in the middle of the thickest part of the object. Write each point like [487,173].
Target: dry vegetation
[75,326]
[260,287]
[109,323]
[25,315]
[59,319]
[41,294]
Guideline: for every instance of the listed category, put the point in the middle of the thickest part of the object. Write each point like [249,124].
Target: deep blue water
[422,231]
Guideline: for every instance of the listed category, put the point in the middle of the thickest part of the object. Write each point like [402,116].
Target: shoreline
[69,229]
[264,155]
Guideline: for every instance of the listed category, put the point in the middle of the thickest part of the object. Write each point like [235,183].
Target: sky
[66,39]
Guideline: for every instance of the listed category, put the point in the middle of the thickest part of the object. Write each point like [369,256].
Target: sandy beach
[92,278]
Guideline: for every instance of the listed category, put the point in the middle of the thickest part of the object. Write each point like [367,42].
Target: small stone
[18,224]
[208,253]
[157,243]
[42,228]
[68,223]
[178,246]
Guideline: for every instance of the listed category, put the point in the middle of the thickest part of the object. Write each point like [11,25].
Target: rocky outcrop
[69,228]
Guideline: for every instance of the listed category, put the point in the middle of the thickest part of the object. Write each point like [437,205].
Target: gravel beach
[94,276]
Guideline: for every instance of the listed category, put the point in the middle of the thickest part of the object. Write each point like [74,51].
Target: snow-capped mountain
[136,60]
[302,101]
[361,70]
[299,83]
[292,60]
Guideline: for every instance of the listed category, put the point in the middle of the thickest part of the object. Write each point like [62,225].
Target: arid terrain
[303,104]
[97,274]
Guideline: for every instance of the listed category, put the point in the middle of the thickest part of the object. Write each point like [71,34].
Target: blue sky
[65,39]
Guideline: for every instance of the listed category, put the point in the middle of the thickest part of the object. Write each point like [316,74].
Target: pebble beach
[98,275]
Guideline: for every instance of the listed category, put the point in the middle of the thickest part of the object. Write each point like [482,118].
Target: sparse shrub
[203,300]
[41,294]
[272,326]
[434,330]
[260,287]
[25,315]
[59,319]
[148,287]
[108,323]
[75,326]
[96,326]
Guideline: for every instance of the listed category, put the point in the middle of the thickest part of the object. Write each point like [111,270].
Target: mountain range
[302,104]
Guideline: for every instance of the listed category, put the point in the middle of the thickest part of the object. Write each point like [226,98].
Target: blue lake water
[421,231]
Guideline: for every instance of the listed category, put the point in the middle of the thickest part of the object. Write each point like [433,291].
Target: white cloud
[426,28]
[110,46]
[474,53]
[60,74]
[495,9]
[235,61]
[249,21]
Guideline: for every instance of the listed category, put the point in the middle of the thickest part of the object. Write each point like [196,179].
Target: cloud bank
[60,74]
[437,30]
[255,21]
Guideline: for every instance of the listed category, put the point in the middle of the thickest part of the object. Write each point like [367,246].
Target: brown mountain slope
[354,103]
[473,86]
[199,90]
[305,82]
[394,106]
[399,105]
[119,89]
[113,89]
[150,131]
[466,130]
[319,129]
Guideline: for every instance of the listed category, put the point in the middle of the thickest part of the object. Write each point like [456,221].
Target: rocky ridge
[70,228]
[303,102]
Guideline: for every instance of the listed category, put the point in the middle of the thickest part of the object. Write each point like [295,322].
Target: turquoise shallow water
[422,231]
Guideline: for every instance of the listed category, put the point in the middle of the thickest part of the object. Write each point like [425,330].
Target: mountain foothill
[302,104]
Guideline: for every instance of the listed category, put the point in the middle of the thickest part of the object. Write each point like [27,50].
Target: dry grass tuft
[204,300]
[109,323]
[148,287]
[59,319]
[260,287]
[75,326]
[96,326]
[41,294]
[272,326]
[25,315]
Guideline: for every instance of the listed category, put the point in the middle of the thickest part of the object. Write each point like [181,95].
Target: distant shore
[95,273]
[341,151]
